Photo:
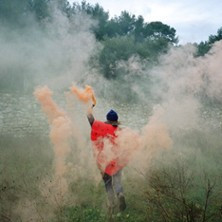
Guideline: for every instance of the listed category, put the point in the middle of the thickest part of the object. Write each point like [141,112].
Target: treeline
[205,46]
[122,37]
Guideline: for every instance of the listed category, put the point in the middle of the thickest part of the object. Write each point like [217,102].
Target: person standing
[111,170]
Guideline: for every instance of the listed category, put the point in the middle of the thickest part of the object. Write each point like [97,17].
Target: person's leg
[109,189]
[117,186]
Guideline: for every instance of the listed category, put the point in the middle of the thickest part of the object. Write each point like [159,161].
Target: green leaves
[115,49]
[204,47]
[122,37]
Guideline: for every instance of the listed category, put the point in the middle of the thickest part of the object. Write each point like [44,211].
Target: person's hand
[90,109]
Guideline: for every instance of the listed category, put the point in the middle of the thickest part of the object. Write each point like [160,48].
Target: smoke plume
[60,134]
[171,108]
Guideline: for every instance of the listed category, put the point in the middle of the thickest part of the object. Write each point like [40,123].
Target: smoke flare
[84,95]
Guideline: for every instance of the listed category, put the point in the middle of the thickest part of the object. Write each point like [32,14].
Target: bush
[175,194]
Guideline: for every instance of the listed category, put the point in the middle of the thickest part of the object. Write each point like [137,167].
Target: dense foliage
[204,47]
[122,36]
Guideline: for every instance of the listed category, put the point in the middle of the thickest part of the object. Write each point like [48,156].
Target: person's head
[112,116]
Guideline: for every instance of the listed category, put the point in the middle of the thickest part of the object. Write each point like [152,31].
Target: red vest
[101,131]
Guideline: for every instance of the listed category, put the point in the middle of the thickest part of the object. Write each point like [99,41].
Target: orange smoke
[128,141]
[60,133]
[44,96]
[84,95]
[138,148]
[130,144]
[155,133]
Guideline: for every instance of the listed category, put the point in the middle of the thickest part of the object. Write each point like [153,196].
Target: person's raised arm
[90,116]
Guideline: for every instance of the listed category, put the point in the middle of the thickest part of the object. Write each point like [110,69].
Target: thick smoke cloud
[53,53]
[165,108]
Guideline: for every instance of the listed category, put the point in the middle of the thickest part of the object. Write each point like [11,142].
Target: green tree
[39,8]
[115,49]
[126,23]
[122,25]
[139,29]
[156,30]
[204,47]
[150,49]
[13,12]
[215,38]
[97,13]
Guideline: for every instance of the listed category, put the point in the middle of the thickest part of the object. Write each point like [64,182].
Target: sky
[194,20]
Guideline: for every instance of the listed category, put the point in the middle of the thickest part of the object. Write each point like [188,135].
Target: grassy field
[179,185]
